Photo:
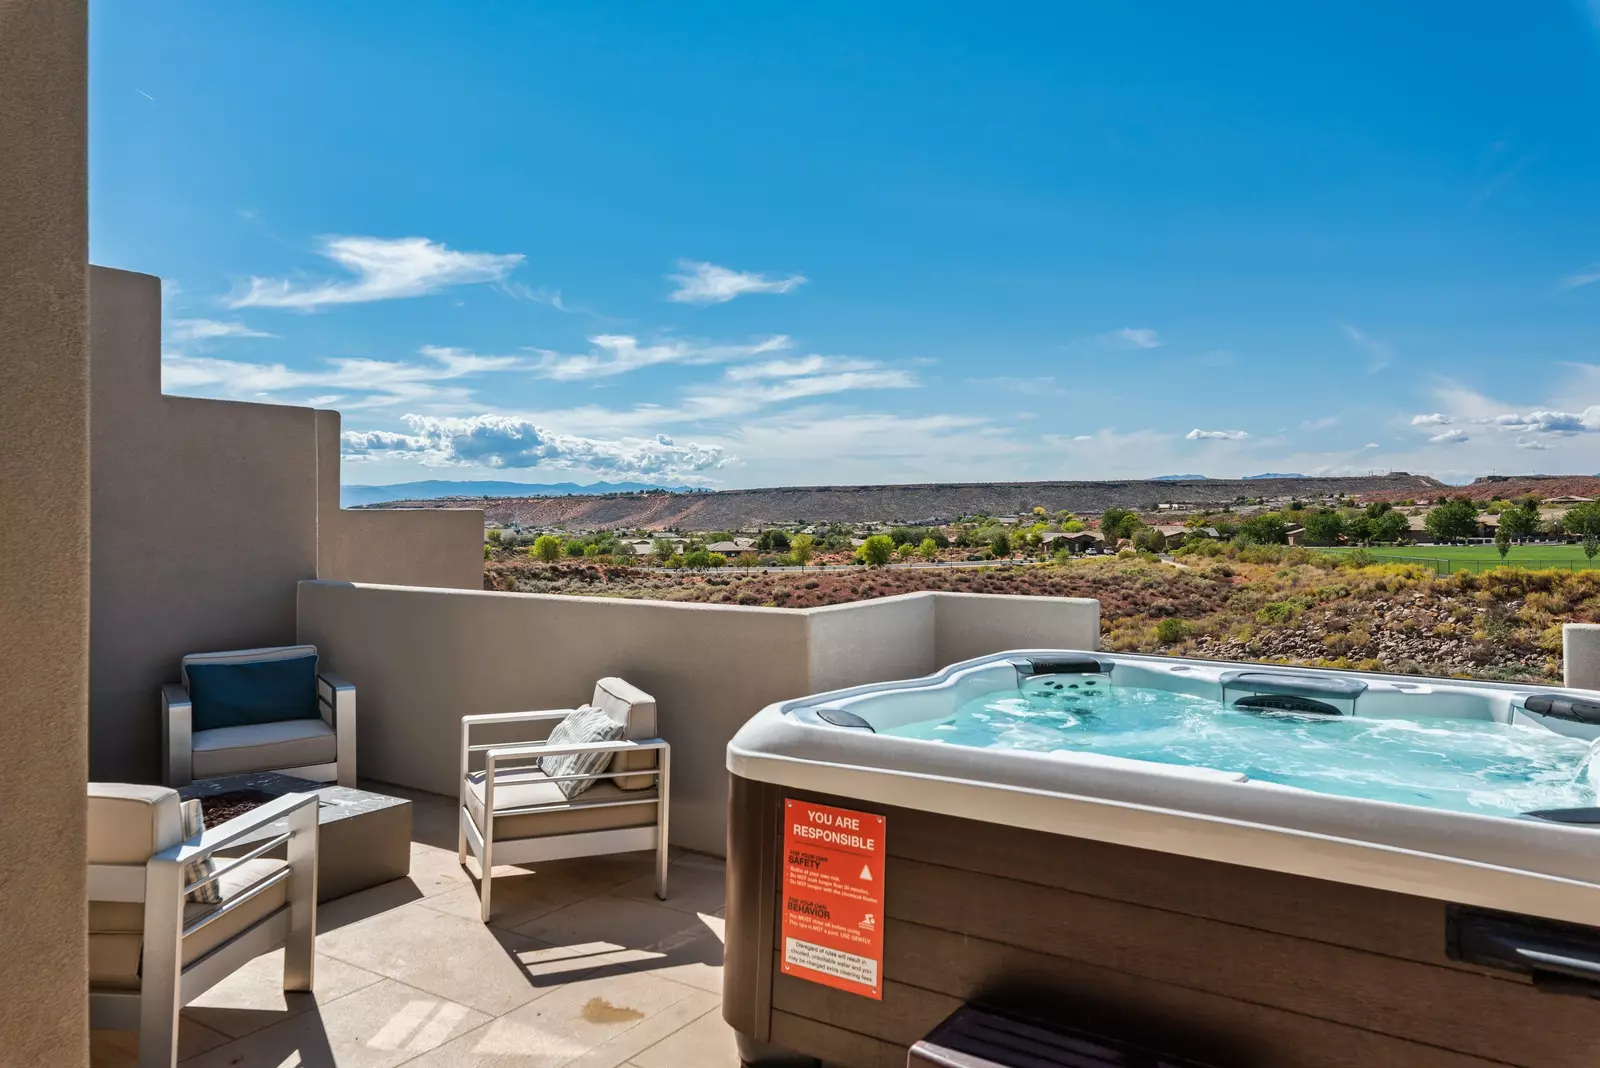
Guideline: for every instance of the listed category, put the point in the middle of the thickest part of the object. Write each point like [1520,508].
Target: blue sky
[751,245]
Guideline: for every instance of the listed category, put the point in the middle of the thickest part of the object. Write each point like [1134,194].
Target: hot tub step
[978,1038]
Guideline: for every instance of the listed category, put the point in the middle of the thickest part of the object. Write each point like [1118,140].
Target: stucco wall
[204,518]
[976,624]
[44,528]
[206,513]
[421,659]
[419,547]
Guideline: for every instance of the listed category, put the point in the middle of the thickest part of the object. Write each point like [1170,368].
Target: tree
[1591,545]
[1377,508]
[1000,544]
[546,547]
[1073,526]
[1390,526]
[1359,529]
[801,546]
[929,549]
[1117,523]
[1149,539]
[697,560]
[1324,526]
[1453,520]
[1520,521]
[1268,528]
[662,550]
[876,550]
[905,550]
[573,547]
[1583,520]
[773,541]
[1502,538]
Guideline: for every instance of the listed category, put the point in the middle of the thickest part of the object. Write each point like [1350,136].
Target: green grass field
[1448,558]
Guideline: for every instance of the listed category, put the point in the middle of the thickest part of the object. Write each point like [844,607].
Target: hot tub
[1243,864]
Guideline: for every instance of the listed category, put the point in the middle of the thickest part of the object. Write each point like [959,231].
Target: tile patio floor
[581,966]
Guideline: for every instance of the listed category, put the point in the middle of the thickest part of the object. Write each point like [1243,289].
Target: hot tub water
[1459,765]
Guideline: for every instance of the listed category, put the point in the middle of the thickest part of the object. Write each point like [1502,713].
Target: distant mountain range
[432,490]
[1179,478]
[1272,474]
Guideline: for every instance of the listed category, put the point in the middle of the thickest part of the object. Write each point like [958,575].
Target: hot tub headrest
[1292,685]
[1561,706]
[1063,664]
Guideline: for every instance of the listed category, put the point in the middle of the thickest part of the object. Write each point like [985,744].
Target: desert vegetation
[1250,603]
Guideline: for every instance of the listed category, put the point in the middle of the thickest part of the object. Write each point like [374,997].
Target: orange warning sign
[833,897]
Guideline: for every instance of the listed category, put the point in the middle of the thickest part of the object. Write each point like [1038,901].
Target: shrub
[547,548]
[1171,631]
[876,550]
[1276,612]
[801,547]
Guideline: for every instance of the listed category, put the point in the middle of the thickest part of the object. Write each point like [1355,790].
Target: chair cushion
[129,823]
[247,686]
[116,927]
[521,787]
[636,711]
[586,724]
[290,743]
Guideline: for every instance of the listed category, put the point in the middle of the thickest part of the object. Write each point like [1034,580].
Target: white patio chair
[151,951]
[258,710]
[512,813]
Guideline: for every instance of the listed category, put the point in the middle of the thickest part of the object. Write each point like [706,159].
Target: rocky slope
[737,509]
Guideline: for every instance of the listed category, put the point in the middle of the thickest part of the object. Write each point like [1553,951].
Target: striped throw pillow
[194,825]
[586,724]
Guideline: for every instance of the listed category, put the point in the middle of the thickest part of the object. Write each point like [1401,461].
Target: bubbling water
[1460,765]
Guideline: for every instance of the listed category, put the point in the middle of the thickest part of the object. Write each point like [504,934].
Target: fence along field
[1446,559]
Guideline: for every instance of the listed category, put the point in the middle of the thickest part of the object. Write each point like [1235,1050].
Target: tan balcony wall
[402,547]
[44,530]
[205,515]
[422,659]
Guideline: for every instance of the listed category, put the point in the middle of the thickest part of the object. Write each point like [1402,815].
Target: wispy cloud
[1216,435]
[1323,423]
[184,331]
[706,283]
[617,354]
[1450,437]
[1378,352]
[383,269]
[1587,276]
[1431,419]
[1532,446]
[374,383]
[499,441]
[1132,337]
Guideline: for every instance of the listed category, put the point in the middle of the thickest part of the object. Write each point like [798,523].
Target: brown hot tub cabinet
[1188,914]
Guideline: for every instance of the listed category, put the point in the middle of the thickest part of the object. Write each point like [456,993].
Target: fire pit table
[363,838]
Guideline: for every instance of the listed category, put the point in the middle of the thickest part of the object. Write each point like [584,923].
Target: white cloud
[1216,435]
[1378,352]
[706,283]
[1133,337]
[1432,419]
[1543,422]
[384,269]
[617,354]
[1532,446]
[1083,437]
[381,383]
[1450,437]
[1372,445]
[1320,424]
[183,331]
[499,441]
[1587,276]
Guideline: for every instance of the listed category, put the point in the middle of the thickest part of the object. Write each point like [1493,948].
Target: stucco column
[44,531]
[1580,655]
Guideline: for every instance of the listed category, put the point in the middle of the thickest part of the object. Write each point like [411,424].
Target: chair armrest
[338,710]
[516,717]
[177,735]
[540,749]
[225,834]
